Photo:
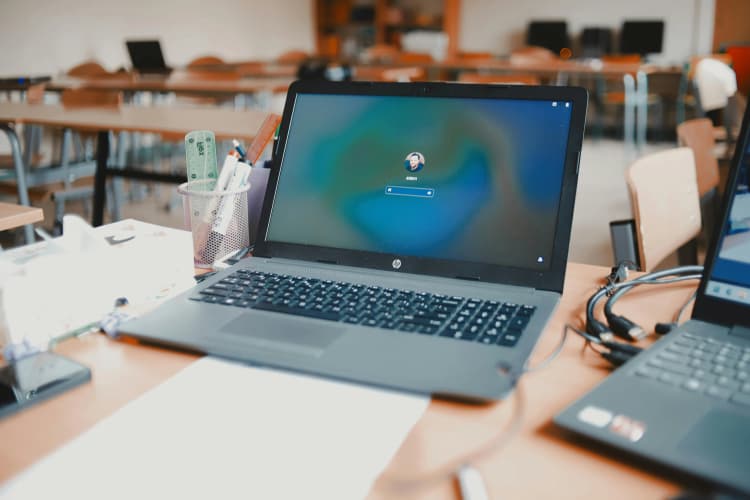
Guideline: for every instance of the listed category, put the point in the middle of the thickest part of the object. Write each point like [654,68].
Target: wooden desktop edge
[539,462]
[12,216]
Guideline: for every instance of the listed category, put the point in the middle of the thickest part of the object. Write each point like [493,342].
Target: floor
[602,197]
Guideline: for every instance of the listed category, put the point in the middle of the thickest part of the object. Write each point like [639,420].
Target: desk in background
[539,462]
[169,121]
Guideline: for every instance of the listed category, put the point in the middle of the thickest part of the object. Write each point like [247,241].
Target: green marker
[200,157]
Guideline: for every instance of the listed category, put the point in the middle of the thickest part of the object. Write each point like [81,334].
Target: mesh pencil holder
[217,220]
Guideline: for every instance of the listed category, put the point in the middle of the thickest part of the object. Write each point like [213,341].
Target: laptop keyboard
[473,320]
[717,369]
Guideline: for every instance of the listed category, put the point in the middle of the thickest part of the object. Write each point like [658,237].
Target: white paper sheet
[59,286]
[220,430]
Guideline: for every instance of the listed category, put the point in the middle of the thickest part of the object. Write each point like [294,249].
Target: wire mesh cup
[217,220]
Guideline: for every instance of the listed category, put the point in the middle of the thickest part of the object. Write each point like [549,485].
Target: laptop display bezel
[138,49]
[707,307]
[551,278]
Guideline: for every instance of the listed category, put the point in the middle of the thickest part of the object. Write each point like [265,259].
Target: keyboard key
[718,392]
[671,378]
[647,372]
[300,310]
[694,385]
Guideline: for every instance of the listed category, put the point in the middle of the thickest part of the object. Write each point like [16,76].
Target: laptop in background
[413,236]
[685,402]
[147,57]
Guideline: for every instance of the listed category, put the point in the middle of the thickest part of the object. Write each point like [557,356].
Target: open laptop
[413,236]
[147,57]
[685,402]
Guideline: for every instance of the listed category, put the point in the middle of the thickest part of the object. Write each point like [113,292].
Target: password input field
[417,192]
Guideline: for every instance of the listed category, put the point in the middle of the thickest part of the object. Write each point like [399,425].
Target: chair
[389,74]
[664,197]
[511,79]
[531,54]
[88,68]
[698,135]
[292,57]
[205,61]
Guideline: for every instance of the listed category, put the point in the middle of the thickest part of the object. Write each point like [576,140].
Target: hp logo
[396,263]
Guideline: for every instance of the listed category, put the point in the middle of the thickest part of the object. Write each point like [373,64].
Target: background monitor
[552,35]
[641,37]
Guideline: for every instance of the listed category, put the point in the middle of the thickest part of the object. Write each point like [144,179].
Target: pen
[471,484]
[238,148]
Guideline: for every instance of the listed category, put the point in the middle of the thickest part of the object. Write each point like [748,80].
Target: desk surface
[178,81]
[539,462]
[226,123]
[16,215]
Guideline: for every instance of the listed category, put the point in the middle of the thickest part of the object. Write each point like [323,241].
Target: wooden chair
[531,54]
[205,61]
[90,98]
[698,135]
[88,68]
[512,79]
[389,74]
[380,53]
[664,197]
[292,57]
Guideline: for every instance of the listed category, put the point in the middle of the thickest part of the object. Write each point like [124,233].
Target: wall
[499,25]
[48,36]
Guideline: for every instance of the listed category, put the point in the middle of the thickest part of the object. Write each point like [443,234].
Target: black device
[147,57]
[641,37]
[552,35]
[685,402]
[36,378]
[596,42]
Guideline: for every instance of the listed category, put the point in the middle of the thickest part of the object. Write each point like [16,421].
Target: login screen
[475,180]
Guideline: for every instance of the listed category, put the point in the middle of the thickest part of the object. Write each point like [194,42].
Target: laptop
[413,236]
[147,57]
[685,402]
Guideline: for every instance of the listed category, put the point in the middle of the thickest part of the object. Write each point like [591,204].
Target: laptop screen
[730,276]
[466,179]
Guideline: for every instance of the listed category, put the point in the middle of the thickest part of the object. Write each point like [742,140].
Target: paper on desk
[224,430]
[59,286]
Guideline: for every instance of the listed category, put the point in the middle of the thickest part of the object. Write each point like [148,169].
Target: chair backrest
[664,196]
[621,58]
[698,135]
[205,61]
[512,79]
[405,74]
[380,53]
[293,57]
[90,98]
[88,68]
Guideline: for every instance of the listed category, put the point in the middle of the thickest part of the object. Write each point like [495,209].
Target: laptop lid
[724,293]
[466,181]
[146,55]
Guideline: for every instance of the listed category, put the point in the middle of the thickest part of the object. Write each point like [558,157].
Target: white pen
[471,484]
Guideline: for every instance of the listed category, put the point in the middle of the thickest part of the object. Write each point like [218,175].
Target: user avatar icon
[414,162]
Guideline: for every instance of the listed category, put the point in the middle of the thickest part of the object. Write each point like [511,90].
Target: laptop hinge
[740,331]
[324,261]
[469,278]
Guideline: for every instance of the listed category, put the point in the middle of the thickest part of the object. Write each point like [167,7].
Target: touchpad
[720,438]
[284,332]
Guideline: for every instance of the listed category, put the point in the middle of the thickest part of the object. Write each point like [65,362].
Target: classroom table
[539,461]
[169,121]
[12,216]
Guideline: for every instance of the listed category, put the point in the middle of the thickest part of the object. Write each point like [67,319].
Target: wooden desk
[12,216]
[178,81]
[226,124]
[539,462]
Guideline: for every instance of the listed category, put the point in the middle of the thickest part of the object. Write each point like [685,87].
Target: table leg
[630,104]
[642,106]
[100,177]
[23,193]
